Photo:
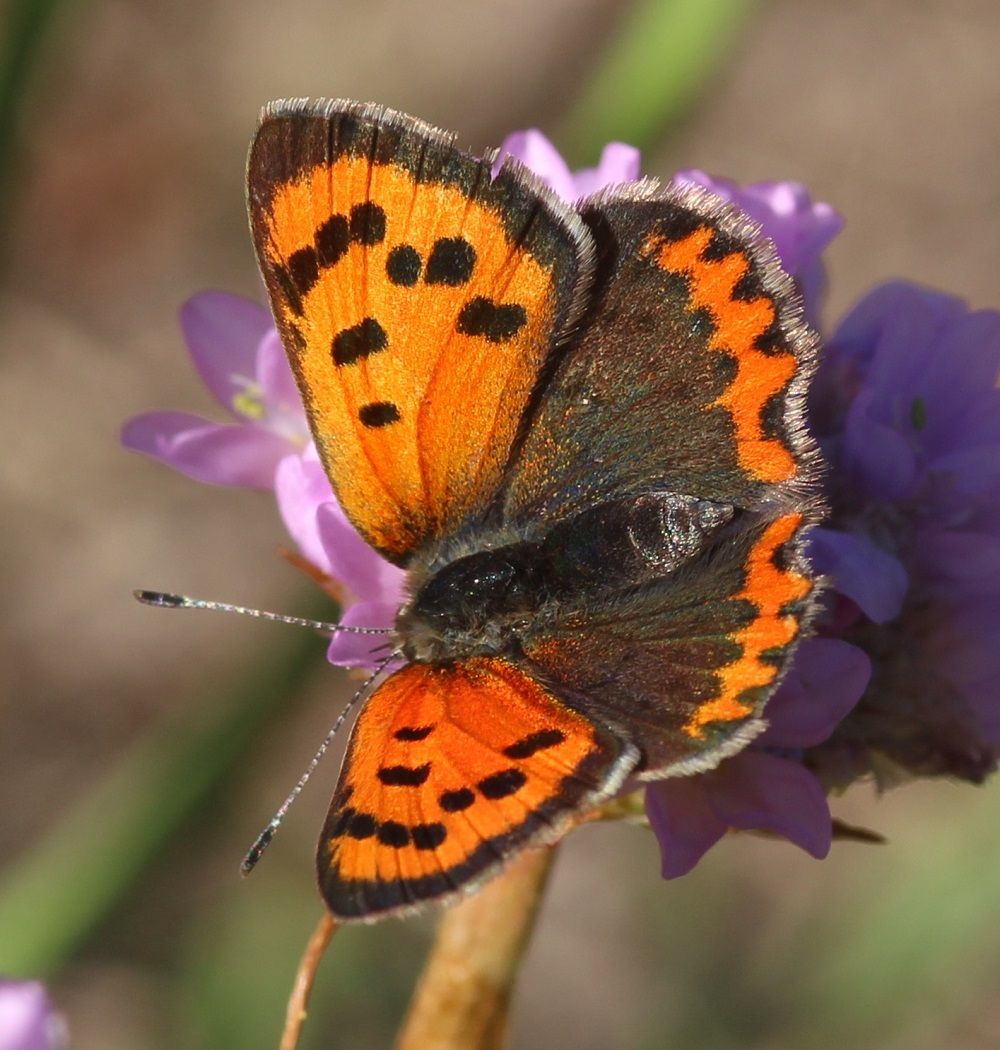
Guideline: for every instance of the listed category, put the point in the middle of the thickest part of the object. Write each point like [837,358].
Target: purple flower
[237,352]
[236,349]
[27,1019]
[765,787]
[619,163]
[908,411]
[800,228]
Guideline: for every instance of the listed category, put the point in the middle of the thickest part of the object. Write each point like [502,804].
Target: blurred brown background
[128,199]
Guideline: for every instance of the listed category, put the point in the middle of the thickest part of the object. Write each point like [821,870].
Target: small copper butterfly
[579,428]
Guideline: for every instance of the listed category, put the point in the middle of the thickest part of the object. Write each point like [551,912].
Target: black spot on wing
[362,826]
[772,340]
[404,776]
[303,268]
[332,240]
[362,340]
[343,822]
[391,833]
[428,836]
[378,414]
[749,287]
[502,784]
[457,800]
[403,265]
[410,733]
[494,321]
[367,223]
[535,742]
[451,262]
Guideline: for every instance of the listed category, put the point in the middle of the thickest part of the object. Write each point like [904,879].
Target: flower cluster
[899,678]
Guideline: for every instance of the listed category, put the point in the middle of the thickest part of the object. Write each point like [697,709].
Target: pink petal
[685,825]
[363,650]
[27,1020]
[760,792]
[282,403]
[368,575]
[825,681]
[223,332]
[238,456]
[619,163]
[301,487]
[538,154]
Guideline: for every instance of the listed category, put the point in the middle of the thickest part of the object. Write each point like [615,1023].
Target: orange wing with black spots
[450,770]
[417,296]
[689,376]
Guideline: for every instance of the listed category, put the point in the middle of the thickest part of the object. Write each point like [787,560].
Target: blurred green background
[141,751]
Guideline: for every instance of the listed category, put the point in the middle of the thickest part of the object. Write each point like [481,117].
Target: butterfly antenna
[263,840]
[163,600]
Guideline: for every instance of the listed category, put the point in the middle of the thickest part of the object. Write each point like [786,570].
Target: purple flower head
[237,352]
[27,1019]
[908,411]
[800,228]
[766,787]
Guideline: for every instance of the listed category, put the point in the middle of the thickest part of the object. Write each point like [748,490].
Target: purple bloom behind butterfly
[908,411]
[236,350]
[238,353]
[27,1019]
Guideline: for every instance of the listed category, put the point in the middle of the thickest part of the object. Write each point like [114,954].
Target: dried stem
[298,1001]
[462,999]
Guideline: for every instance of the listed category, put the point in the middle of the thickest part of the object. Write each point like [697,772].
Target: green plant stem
[654,69]
[24,30]
[53,898]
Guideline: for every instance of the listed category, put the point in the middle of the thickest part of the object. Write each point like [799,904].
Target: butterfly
[579,429]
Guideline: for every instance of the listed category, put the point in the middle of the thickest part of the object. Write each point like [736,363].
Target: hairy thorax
[483,602]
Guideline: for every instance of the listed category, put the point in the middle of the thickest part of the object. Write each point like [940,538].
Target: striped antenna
[263,840]
[163,600]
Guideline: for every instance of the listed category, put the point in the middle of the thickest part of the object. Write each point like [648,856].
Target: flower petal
[825,681]
[362,650]
[538,154]
[233,455]
[368,575]
[872,578]
[760,792]
[619,163]
[27,1019]
[223,332]
[685,825]
[281,401]
[300,488]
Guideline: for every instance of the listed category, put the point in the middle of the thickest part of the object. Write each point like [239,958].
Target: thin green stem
[664,54]
[54,897]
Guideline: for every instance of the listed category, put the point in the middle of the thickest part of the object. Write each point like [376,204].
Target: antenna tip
[161,598]
[256,850]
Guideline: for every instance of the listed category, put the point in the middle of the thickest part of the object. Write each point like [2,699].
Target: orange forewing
[449,769]
[417,314]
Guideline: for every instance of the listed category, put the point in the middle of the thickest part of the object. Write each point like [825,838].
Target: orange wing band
[738,325]
[770,590]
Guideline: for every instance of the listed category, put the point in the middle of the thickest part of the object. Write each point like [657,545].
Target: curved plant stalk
[461,1001]
[298,1001]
